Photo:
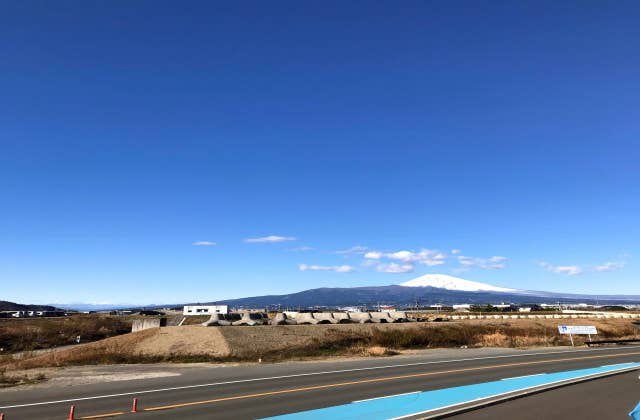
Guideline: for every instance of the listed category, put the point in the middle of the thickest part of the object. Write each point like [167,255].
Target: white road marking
[298,375]
[387,396]
[524,376]
[615,364]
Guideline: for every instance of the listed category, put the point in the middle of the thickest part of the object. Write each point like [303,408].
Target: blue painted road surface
[635,413]
[405,405]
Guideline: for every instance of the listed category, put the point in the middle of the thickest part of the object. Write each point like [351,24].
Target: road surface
[258,391]
[606,398]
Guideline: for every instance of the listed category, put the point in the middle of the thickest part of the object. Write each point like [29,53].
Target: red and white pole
[134,406]
[72,412]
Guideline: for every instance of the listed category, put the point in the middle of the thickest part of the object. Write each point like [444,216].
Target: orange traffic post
[134,406]
[72,412]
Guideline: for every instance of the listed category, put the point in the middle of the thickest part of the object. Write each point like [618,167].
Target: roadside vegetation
[376,340]
[24,335]
[7,380]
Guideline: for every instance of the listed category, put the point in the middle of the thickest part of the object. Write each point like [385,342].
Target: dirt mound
[187,340]
[152,345]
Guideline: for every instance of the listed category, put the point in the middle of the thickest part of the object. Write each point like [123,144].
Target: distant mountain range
[425,290]
[11,306]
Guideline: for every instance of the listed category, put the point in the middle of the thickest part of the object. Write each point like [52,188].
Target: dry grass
[513,334]
[372,351]
[15,380]
[279,343]
[18,335]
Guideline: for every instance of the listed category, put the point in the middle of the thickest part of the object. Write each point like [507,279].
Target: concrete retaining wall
[145,324]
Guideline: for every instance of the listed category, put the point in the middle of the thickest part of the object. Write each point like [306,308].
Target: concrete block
[250,318]
[281,318]
[361,317]
[305,318]
[216,320]
[325,318]
[342,317]
[381,317]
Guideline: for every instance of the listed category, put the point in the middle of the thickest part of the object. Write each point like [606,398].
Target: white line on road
[387,396]
[298,375]
[524,376]
[613,365]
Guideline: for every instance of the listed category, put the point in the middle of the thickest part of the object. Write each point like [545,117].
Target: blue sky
[490,140]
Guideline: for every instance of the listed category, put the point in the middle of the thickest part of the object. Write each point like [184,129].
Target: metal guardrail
[594,343]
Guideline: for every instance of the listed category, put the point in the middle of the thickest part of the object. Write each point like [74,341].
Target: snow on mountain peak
[444,281]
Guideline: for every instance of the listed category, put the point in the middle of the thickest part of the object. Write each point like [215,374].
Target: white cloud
[609,266]
[455,251]
[369,262]
[395,268]
[270,239]
[570,270]
[573,270]
[373,255]
[424,256]
[302,249]
[335,268]
[204,243]
[354,250]
[493,263]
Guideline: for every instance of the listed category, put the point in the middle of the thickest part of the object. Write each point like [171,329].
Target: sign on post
[577,329]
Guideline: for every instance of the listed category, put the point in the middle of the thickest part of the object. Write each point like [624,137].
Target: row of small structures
[314,318]
[307,318]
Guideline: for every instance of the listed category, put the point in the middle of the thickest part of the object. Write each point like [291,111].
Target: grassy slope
[185,344]
[40,333]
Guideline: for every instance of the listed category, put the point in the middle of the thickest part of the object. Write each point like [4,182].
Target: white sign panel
[577,329]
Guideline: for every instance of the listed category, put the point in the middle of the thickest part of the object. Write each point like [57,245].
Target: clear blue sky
[497,141]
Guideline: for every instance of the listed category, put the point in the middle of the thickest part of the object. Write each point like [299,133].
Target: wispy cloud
[573,270]
[302,249]
[394,268]
[374,255]
[270,239]
[455,251]
[354,250]
[204,243]
[492,263]
[334,268]
[609,266]
[570,270]
[424,256]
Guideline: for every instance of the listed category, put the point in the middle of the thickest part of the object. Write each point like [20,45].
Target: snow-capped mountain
[425,290]
[443,281]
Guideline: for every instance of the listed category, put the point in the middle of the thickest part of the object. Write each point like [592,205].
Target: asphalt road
[256,391]
[606,398]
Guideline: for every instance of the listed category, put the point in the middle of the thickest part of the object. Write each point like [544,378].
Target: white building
[205,309]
